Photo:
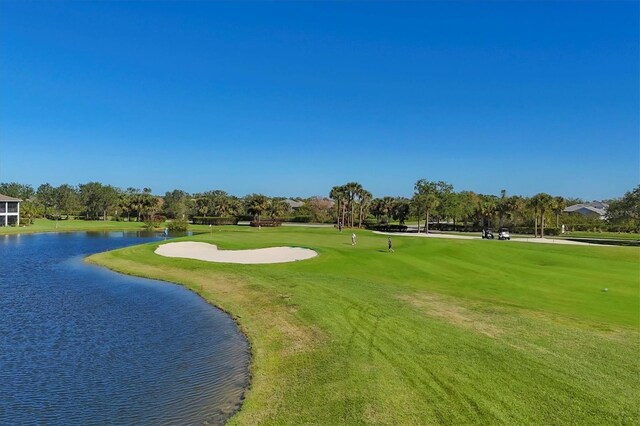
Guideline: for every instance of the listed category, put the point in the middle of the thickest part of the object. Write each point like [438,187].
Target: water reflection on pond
[82,345]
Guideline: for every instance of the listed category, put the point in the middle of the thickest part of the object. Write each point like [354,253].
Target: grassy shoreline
[441,331]
[45,225]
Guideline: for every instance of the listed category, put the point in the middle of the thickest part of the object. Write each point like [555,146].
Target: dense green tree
[17,190]
[176,204]
[462,206]
[67,199]
[46,197]
[428,194]
[626,210]
[444,193]
[97,199]
[400,210]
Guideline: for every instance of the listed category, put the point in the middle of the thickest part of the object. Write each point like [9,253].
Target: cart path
[468,237]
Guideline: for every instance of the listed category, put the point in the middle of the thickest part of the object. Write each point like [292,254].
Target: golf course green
[438,332]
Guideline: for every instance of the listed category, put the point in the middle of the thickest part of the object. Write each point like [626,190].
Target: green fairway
[441,331]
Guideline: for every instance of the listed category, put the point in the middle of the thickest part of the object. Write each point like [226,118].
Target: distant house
[9,211]
[323,202]
[294,204]
[594,209]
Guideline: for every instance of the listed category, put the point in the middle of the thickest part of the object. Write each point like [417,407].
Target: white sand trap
[210,253]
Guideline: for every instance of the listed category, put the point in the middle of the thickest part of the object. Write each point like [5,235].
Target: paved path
[468,237]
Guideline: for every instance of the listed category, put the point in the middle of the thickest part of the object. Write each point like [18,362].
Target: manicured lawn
[441,331]
[46,225]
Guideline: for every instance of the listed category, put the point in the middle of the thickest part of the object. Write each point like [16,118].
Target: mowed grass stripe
[441,331]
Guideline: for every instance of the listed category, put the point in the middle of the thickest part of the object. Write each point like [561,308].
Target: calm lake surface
[83,345]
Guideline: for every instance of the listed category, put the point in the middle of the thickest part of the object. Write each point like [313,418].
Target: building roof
[584,208]
[4,198]
[294,204]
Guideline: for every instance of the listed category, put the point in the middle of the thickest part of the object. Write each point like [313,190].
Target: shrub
[154,222]
[178,225]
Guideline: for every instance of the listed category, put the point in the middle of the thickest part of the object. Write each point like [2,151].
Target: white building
[9,211]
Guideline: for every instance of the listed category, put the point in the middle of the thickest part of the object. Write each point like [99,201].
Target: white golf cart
[503,234]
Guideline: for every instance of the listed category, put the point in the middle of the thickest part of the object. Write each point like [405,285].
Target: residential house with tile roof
[9,211]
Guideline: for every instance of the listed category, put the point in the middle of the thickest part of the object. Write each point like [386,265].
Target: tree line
[434,204]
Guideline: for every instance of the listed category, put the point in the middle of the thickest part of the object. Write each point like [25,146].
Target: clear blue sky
[294,98]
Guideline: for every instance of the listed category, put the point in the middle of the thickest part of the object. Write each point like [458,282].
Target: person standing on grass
[353,239]
[389,245]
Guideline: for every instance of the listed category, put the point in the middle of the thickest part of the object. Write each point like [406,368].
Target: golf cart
[487,234]
[503,234]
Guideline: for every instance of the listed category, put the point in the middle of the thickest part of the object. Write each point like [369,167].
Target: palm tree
[352,189]
[278,208]
[503,206]
[430,202]
[486,208]
[364,198]
[534,205]
[544,205]
[387,206]
[202,206]
[516,207]
[540,203]
[256,205]
[137,203]
[376,208]
[416,204]
[558,204]
[28,211]
[337,194]
[150,204]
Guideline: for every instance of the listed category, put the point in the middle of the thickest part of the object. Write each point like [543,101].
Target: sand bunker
[210,253]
